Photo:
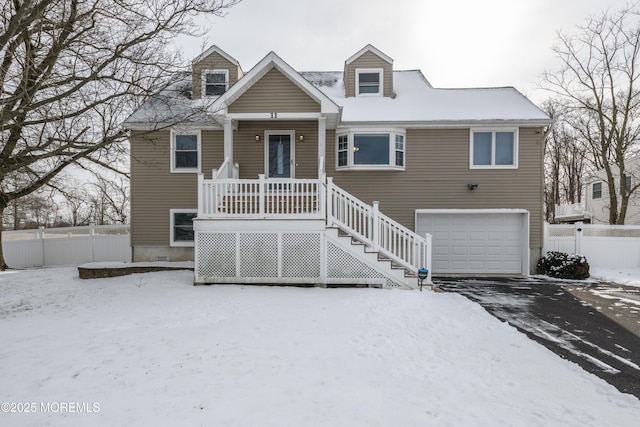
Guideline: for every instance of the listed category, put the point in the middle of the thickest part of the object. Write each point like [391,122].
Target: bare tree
[110,200]
[70,72]
[564,161]
[76,200]
[597,87]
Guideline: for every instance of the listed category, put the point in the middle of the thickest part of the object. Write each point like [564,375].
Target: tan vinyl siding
[215,61]
[436,177]
[368,60]
[154,190]
[249,154]
[274,93]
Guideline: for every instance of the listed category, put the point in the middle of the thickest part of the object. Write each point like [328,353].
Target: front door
[279,154]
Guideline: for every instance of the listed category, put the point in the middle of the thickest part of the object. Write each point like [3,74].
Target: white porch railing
[574,210]
[260,198]
[270,198]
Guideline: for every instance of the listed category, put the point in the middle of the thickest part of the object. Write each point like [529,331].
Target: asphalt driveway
[574,327]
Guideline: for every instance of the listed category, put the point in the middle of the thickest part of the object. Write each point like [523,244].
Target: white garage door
[476,242]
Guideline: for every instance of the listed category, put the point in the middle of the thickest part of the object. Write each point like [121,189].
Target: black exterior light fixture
[472,187]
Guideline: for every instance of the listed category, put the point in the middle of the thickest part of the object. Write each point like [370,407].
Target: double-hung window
[494,148]
[343,150]
[215,82]
[596,190]
[627,185]
[369,82]
[371,149]
[185,151]
[182,227]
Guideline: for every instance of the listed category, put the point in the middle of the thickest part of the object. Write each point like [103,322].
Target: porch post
[228,145]
[322,135]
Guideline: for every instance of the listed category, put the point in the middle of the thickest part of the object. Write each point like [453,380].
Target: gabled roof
[372,49]
[219,51]
[269,62]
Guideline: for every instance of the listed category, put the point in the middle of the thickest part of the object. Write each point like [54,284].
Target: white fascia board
[473,211]
[369,48]
[449,124]
[327,106]
[167,126]
[269,116]
[222,53]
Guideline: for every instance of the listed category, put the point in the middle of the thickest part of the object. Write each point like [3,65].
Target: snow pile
[151,349]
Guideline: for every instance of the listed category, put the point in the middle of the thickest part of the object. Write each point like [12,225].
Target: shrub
[563,266]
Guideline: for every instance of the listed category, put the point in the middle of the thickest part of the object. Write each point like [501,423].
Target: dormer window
[215,82]
[369,82]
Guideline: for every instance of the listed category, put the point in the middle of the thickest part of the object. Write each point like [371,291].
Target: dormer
[213,73]
[369,72]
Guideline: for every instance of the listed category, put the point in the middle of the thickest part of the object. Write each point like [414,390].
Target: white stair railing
[377,230]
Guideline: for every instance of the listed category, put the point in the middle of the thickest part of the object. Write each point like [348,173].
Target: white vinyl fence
[70,245]
[605,246]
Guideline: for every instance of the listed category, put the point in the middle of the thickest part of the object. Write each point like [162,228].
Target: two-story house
[595,203]
[282,176]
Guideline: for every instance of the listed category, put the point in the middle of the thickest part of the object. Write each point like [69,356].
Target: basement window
[182,227]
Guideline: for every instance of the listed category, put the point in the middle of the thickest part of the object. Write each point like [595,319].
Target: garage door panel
[476,250]
[458,250]
[475,242]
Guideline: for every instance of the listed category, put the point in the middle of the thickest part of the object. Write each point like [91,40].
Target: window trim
[494,130]
[593,190]
[172,241]
[628,183]
[204,81]
[176,132]
[380,73]
[391,132]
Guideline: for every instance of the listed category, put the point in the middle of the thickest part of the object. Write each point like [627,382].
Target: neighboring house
[594,207]
[270,176]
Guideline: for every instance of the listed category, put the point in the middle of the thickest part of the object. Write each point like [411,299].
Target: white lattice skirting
[287,257]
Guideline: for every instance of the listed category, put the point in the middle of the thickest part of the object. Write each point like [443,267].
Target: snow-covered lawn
[152,349]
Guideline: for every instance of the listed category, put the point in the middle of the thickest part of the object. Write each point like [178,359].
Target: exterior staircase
[300,232]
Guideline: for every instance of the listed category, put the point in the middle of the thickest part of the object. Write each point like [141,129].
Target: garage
[478,241]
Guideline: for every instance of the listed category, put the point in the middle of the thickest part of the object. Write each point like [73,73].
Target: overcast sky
[456,43]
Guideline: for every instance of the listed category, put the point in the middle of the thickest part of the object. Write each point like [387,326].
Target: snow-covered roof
[418,102]
[171,106]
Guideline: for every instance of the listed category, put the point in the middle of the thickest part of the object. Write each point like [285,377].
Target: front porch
[304,231]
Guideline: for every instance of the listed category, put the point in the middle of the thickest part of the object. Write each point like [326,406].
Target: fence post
[428,256]
[578,233]
[92,232]
[41,236]
[375,235]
